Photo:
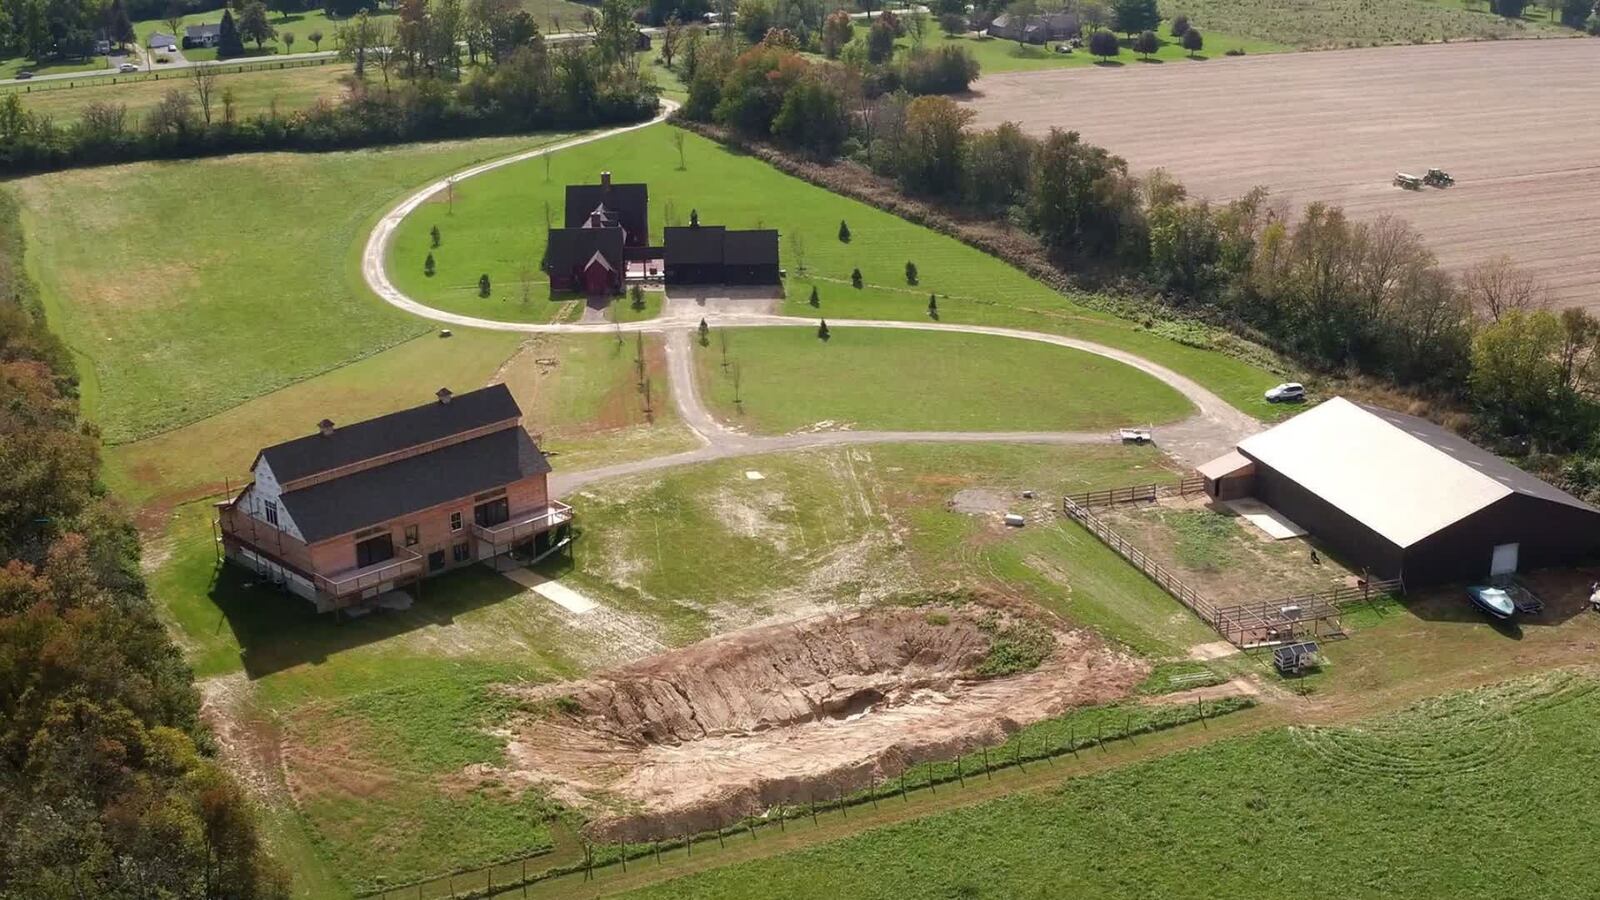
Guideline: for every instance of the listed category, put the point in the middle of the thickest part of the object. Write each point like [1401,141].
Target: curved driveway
[1215,427]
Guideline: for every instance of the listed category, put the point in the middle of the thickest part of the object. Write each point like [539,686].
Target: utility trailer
[1409,182]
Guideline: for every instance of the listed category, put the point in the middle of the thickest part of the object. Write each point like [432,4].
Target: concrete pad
[554,591]
[1274,523]
[1213,650]
[565,597]
[753,475]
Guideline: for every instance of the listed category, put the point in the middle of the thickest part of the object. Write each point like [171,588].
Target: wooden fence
[1172,584]
[1245,625]
[1139,493]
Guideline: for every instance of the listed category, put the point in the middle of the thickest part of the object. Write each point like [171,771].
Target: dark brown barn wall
[1355,543]
[1550,534]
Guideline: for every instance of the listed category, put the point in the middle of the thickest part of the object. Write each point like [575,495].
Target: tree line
[408,86]
[108,782]
[770,90]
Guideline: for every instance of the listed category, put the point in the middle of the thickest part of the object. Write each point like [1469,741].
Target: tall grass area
[1471,796]
[1322,24]
[496,222]
[187,288]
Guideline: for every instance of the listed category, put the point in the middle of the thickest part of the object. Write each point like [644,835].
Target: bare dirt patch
[785,714]
[1222,555]
[1336,127]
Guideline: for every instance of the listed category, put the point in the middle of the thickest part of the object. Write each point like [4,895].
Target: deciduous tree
[1146,43]
[1193,41]
[1104,44]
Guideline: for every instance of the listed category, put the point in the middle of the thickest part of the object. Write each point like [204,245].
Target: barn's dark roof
[196,32]
[630,203]
[1470,454]
[751,248]
[353,443]
[415,483]
[694,245]
[568,247]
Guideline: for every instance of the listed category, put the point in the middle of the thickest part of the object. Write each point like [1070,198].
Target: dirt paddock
[787,714]
[1513,121]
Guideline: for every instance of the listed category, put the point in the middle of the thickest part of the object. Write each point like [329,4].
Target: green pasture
[997,55]
[10,67]
[1321,24]
[254,92]
[188,288]
[495,224]
[1469,796]
[775,380]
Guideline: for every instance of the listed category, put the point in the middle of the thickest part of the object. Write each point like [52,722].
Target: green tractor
[1438,178]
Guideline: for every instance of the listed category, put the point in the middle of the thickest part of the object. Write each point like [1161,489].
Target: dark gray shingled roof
[630,203]
[301,457]
[568,247]
[757,247]
[415,483]
[693,245]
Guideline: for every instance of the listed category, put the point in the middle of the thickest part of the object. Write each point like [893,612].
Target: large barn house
[351,512]
[607,235]
[1401,497]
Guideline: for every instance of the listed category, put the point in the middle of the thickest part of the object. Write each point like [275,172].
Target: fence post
[624,857]
[903,796]
[931,786]
[960,776]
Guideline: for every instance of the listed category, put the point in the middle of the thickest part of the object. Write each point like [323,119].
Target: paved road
[176,62]
[1216,427]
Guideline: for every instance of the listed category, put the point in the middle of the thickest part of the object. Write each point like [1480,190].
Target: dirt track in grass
[1512,121]
[784,714]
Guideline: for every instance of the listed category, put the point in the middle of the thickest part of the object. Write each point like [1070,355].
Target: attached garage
[1401,497]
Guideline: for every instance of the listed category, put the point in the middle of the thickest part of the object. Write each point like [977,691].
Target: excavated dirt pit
[733,726]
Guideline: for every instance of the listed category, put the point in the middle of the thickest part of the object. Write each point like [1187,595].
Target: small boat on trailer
[1492,600]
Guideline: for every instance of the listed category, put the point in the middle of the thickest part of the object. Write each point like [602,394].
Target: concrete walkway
[1215,428]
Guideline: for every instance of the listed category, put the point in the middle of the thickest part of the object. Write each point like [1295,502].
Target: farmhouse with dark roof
[348,513]
[605,242]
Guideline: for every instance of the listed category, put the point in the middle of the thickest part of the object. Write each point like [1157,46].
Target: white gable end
[267,490]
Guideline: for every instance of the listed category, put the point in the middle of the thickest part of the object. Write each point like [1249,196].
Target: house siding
[266,489]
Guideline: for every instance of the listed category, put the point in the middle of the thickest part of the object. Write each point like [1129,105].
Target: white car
[1288,392]
[127,67]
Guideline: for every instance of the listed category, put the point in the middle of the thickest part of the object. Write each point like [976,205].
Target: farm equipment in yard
[1409,182]
[1439,178]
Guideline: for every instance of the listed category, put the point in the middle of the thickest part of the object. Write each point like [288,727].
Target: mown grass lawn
[496,226]
[582,399]
[10,67]
[301,23]
[1471,796]
[781,379]
[188,288]
[996,55]
[285,90]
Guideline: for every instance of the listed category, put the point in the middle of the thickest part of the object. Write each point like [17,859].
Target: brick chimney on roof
[325,427]
[443,395]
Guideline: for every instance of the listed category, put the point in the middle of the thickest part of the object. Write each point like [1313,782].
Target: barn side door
[1505,560]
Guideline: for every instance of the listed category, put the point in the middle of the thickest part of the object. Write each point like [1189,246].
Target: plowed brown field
[1515,122]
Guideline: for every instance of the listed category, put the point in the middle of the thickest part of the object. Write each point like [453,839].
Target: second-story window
[455,521]
[411,536]
[271,513]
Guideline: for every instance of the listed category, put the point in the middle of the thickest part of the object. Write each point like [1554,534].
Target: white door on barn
[1505,559]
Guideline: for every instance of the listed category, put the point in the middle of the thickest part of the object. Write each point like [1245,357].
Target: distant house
[351,512]
[711,254]
[1035,29]
[202,35]
[160,41]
